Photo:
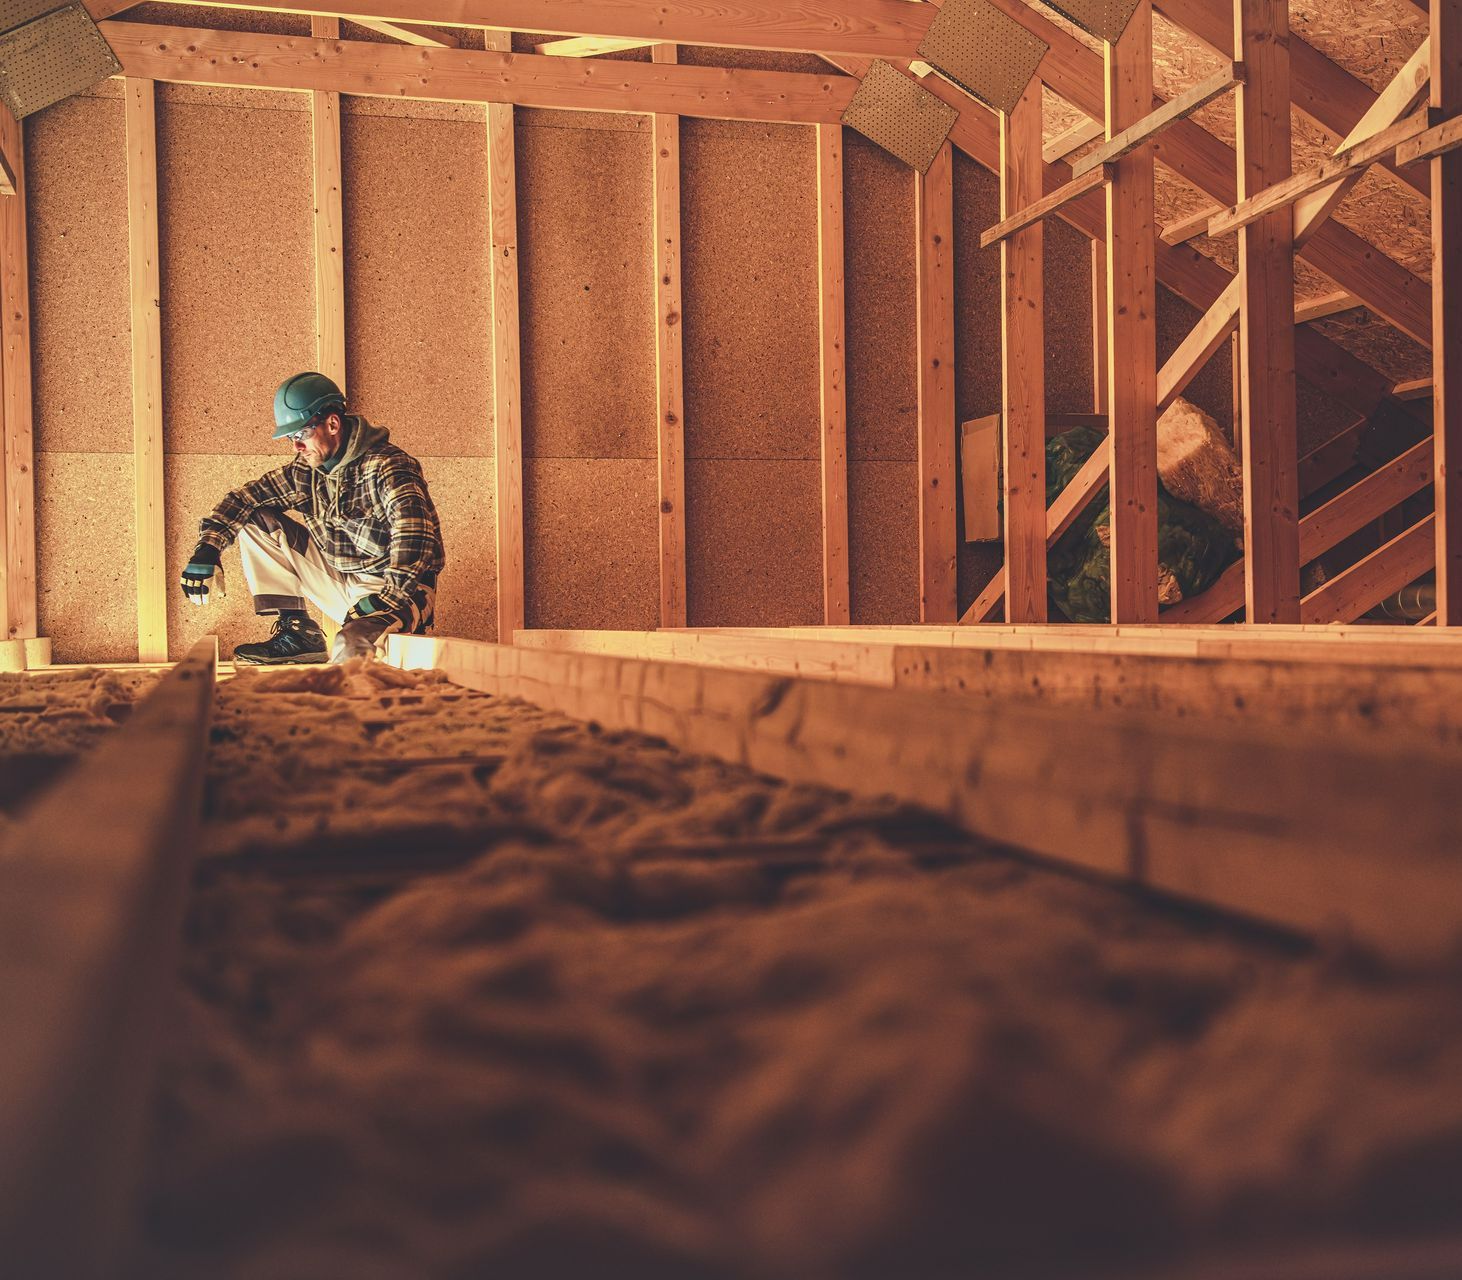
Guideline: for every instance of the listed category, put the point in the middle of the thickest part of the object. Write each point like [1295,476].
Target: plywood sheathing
[753,542]
[237,253]
[77,225]
[418,318]
[591,550]
[587,305]
[86,589]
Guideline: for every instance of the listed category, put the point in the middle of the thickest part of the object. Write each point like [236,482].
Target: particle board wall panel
[753,542]
[220,19]
[749,226]
[587,301]
[192,484]
[700,55]
[879,244]
[237,253]
[1212,389]
[76,171]
[462,492]
[883,512]
[86,596]
[1067,312]
[418,312]
[591,548]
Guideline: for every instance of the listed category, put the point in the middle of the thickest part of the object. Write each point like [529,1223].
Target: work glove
[360,634]
[371,606]
[200,573]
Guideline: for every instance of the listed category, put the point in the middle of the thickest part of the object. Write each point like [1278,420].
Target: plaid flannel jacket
[372,515]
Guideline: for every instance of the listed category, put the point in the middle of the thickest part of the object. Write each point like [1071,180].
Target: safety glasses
[305,430]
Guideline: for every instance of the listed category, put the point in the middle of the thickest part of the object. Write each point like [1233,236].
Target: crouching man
[366,546]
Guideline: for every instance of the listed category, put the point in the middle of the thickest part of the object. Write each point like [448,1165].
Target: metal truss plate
[899,114]
[984,51]
[51,58]
[1105,19]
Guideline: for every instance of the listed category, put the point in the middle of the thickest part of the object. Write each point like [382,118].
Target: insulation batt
[475,990]
[1198,465]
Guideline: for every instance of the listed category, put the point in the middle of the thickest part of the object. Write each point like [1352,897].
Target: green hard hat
[301,398]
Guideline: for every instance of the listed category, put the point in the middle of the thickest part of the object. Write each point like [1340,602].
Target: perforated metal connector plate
[984,51]
[902,116]
[51,58]
[1105,19]
[16,13]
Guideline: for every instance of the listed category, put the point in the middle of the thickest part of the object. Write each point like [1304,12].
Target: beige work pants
[282,576]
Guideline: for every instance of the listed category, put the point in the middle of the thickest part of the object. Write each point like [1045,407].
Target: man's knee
[266,527]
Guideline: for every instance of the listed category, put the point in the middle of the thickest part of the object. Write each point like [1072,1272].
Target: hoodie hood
[360,438]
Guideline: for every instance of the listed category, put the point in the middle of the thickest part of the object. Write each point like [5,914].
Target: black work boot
[295,638]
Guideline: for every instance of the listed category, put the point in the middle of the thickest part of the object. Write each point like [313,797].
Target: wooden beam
[1445,137]
[1185,229]
[1023,363]
[101,10]
[19,514]
[934,213]
[1446,177]
[1204,339]
[1152,124]
[422,37]
[832,367]
[857,28]
[329,222]
[250,61]
[1132,326]
[1323,308]
[1072,139]
[1325,177]
[1042,208]
[1266,319]
[93,883]
[591,46]
[1220,815]
[1325,527]
[1383,573]
[147,445]
[507,384]
[669,366]
[1415,389]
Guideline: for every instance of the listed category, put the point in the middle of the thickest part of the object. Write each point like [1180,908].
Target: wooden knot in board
[666,506]
[671,419]
[672,317]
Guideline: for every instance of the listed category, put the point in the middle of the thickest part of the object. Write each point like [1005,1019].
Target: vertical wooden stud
[1446,174]
[329,223]
[507,393]
[1099,326]
[147,445]
[1132,330]
[1266,319]
[19,516]
[934,198]
[836,605]
[669,370]
[1023,354]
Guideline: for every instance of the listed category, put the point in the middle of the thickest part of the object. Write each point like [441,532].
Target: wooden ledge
[1046,206]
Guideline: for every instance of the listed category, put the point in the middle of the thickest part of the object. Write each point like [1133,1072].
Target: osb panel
[883,541]
[753,543]
[976,292]
[748,210]
[81,334]
[880,305]
[85,566]
[1372,39]
[1319,418]
[193,485]
[237,255]
[462,491]
[1377,343]
[418,294]
[591,543]
[587,293]
[1213,389]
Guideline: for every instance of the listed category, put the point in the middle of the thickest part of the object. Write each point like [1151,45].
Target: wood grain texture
[507,384]
[197,56]
[1132,330]
[1023,360]
[938,547]
[1446,178]
[147,443]
[832,374]
[18,472]
[1266,320]
[329,223]
[1396,564]
[669,363]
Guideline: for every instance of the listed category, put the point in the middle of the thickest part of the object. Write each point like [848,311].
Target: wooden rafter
[1213,329]
[16,426]
[247,60]
[1331,304]
[832,370]
[422,37]
[1185,229]
[1072,139]
[1446,177]
[669,365]
[1383,573]
[591,46]
[1023,364]
[1044,207]
[934,202]
[329,222]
